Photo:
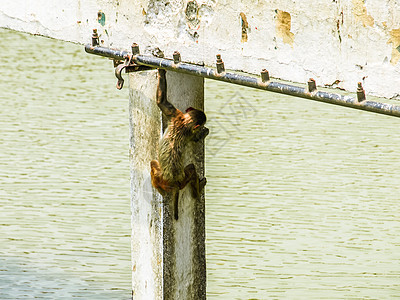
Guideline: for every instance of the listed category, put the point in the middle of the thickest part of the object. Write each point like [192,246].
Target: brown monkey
[168,175]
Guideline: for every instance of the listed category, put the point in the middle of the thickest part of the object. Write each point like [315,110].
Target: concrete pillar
[168,256]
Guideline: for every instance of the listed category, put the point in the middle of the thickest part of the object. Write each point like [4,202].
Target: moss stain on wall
[360,13]
[283,26]
[245,26]
[395,41]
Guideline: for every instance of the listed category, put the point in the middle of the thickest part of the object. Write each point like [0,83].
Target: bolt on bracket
[312,86]
[220,64]
[265,75]
[95,38]
[177,57]
[360,93]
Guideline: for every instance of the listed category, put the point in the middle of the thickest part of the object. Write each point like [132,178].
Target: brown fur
[168,174]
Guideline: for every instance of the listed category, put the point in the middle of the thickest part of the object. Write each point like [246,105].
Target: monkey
[168,175]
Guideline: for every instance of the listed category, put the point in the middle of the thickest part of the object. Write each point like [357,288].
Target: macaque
[168,175]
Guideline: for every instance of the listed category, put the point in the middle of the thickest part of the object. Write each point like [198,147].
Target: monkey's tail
[176,208]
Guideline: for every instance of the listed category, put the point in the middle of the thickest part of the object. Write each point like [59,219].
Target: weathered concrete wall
[168,255]
[146,206]
[337,42]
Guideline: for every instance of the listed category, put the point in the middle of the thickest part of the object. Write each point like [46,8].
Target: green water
[302,198]
[64,176]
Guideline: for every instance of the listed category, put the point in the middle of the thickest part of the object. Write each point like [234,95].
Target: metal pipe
[107,52]
[276,87]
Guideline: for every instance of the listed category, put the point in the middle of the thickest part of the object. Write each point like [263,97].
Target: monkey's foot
[198,186]
[202,184]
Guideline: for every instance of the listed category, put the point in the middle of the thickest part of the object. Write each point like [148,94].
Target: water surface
[64,175]
[302,197]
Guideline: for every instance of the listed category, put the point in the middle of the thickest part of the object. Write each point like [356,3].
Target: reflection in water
[302,197]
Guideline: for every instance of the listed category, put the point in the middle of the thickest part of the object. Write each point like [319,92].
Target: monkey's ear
[189,109]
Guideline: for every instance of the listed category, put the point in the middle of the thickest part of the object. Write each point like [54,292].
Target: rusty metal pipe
[276,87]
[107,52]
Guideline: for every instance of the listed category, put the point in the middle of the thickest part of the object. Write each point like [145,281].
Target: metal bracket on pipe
[122,59]
[128,67]
[118,71]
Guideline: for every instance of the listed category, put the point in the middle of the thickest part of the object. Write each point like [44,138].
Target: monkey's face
[197,119]
[196,128]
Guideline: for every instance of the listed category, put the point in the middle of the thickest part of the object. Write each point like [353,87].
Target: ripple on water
[64,175]
[301,200]
[302,197]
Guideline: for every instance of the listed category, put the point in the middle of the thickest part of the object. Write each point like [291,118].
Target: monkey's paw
[202,184]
